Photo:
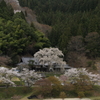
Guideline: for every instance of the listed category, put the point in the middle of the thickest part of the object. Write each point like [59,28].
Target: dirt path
[25,98]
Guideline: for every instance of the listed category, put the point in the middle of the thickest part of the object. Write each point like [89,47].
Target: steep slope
[30,16]
[17,37]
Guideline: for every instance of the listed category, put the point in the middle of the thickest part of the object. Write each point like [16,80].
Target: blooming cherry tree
[4,76]
[49,57]
[7,82]
[3,71]
[29,76]
[11,73]
[75,74]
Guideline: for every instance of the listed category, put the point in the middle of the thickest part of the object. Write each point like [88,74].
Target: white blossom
[29,77]
[74,73]
[7,81]
[50,56]
[6,75]
[26,76]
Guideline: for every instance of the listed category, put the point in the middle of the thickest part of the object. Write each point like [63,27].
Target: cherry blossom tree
[29,77]
[4,77]
[8,73]
[11,73]
[75,74]
[7,82]
[81,81]
[50,57]
[3,71]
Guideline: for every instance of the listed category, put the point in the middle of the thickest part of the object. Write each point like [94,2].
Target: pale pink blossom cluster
[26,76]
[50,56]
[6,76]
[29,77]
[7,81]
[75,73]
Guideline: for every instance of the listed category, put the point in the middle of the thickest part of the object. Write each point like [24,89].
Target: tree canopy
[17,37]
[50,57]
[68,18]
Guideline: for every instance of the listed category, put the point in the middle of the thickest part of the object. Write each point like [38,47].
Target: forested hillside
[17,37]
[75,29]
[75,26]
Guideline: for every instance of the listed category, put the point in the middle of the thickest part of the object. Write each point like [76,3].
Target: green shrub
[70,90]
[2,85]
[94,67]
[11,91]
[88,93]
[89,63]
[96,88]
[81,94]
[62,95]
[19,83]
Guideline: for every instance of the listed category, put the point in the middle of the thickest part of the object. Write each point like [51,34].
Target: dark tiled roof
[25,61]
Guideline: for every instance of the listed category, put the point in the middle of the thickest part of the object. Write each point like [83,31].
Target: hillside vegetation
[75,26]
[75,29]
[17,37]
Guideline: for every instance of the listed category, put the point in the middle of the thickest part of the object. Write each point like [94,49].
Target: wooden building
[33,64]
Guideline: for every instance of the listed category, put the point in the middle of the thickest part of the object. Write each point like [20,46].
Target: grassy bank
[6,93]
[95,98]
